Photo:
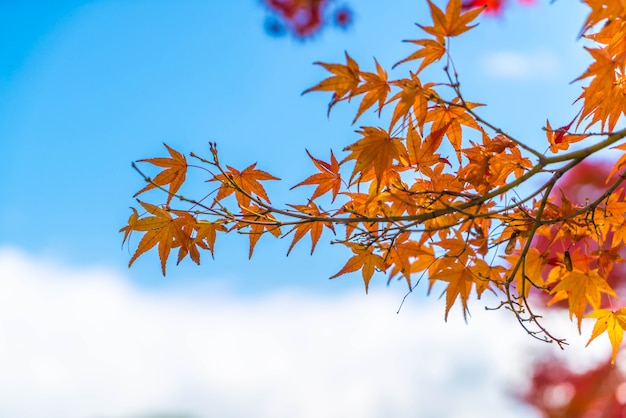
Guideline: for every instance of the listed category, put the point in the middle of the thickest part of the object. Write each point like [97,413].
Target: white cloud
[85,344]
[517,65]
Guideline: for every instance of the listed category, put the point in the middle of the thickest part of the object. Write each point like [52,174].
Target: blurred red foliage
[584,183]
[557,392]
[304,18]
[493,6]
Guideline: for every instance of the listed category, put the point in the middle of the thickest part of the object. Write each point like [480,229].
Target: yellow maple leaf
[613,322]
[583,288]
[529,272]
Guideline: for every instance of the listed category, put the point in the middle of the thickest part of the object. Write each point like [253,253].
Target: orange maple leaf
[613,322]
[259,221]
[375,150]
[560,138]
[345,80]
[364,260]
[603,98]
[453,22]
[174,173]
[431,51]
[451,118]
[422,154]
[245,184]
[206,233]
[313,227]
[406,257]
[485,275]
[460,281]
[376,88]
[327,180]
[163,230]
[621,163]
[600,10]
[413,96]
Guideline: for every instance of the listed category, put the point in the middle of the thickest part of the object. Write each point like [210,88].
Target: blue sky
[89,86]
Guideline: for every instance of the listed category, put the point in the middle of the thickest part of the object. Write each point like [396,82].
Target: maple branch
[448,222]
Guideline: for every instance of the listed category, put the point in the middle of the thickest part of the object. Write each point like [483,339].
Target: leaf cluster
[403,207]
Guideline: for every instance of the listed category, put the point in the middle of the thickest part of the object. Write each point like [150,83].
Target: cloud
[85,343]
[517,65]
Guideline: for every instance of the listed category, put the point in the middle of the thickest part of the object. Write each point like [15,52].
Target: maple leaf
[206,233]
[174,173]
[245,184]
[257,220]
[364,260]
[329,178]
[413,95]
[376,88]
[313,227]
[484,275]
[498,143]
[613,322]
[602,86]
[431,51]
[160,229]
[601,10]
[421,153]
[560,138]
[530,272]
[375,150]
[621,163]
[460,281]
[477,172]
[608,257]
[453,22]
[451,118]
[131,225]
[583,288]
[406,256]
[345,80]
[490,165]
[186,224]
